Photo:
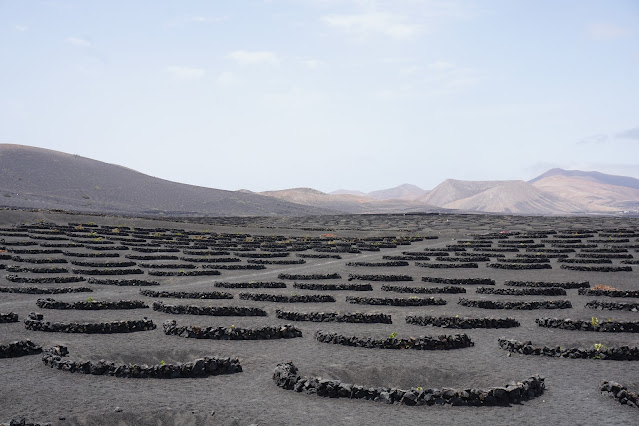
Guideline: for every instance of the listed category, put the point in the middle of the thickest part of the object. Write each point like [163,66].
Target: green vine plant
[594,321]
[393,335]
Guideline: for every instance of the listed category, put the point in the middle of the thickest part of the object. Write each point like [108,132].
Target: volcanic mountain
[40,178]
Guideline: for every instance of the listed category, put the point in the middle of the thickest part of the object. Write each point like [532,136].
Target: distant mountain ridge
[41,178]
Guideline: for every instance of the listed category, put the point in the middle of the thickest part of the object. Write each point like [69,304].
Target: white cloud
[226,79]
[21,27]
[593,140]
[365,24]
[185,73]
[77,41]
[244,57]
[607,31]
[312,63]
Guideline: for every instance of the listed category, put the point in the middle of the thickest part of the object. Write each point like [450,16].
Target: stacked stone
[281,298]
[413,301]
[613,306]
[614,353]
[188,294]
[541,291]
[355,317]
[331,287]
[523,306]
[209,310]
[35,322]
[463,323]
[620,393]
[592,325]
[8,317]
[19,348]
[286,331]
[286,376]
[426,290]
[91,305]
[426,343]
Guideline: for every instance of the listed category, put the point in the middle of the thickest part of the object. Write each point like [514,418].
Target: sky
[328,94]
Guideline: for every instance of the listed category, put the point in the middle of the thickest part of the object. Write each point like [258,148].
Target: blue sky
[326,94]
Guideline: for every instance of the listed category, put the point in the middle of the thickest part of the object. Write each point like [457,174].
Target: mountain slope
[598,177]
[499,197]
[41,178]
[401,192]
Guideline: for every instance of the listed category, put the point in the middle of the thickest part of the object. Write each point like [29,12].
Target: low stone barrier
[566,285]
[620,393]
[37,270]
[167,265]
[318,256]
[8,317]
[593,325]
[613,306]
[252,284]
[459,281]
[233,267]
[333,276]
[151,257]
[447,265]
[206,252]
[211,259]
[597,268]
[191,273]
[376,264]
[463,323]
[286,331]
[412,301]
[36,260]
[526,291]
[276,262]
[281,298]
[106,271]
[92,305]
[201,367]
[218,311]
[39,290]
[522,306]
[333,287]
[355,317]
[19,348]
[519,265]
[117,282]
[609,293]
[188,294]
[378,277]
[286,376]
[35,322]
[425,343]
[43,280]
[524,260]
[598,351]
[424,290]
[604,255]
[113,264]
[72,254]
[585,261]
[262,255]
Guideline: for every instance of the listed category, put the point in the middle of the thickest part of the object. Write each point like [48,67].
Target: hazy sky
[326,94]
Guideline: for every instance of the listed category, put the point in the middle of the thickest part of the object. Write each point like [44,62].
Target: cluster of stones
[276,262]
[459,281]
[188,294]
[334,276]
[426,343]
[252,284]
[8,317]
[333,287]
[598,268]
[201,367]
[613,306]
[609,293]
[117,282]
[522,306]
[43,280]
[319,256]
[106,271]
[620,353]
[392,301]
[530,291]
[35,322]
[447,265]
[592,325]
[19,348]
[520,265]
[38,290]
[567,285]
[286,331]
[232,267]
[282,298]
[35,260]
[37,269]
[286,376]
[93,305]
[463,323]
[351,317]
[94,255]
[209,310]
[426,290]
[378,277]
[375,264]
[151,257]
[111,264]
[620,393]
[191,273]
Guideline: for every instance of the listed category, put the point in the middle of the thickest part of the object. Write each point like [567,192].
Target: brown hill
[499,197]
[41,178]
[348,203]
[401,192]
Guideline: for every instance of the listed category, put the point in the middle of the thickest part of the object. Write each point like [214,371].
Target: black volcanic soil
[29,389]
